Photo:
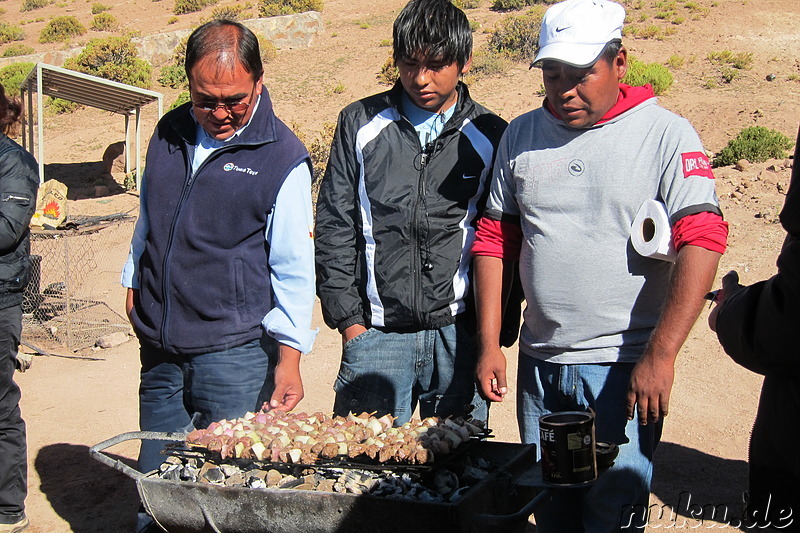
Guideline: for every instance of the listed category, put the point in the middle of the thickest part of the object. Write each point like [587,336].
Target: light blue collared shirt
[289,232]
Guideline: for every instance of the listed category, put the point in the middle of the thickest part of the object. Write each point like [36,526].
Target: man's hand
[650,387]
[288,384]
[130,300]
[490,374]
[351,332]
[730,286]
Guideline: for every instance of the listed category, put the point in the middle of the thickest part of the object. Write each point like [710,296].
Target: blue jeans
[391,372]
[180,392]
[608,503]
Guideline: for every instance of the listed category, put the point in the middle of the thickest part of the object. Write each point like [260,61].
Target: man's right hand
[351,332]
[130,300]
[490,374]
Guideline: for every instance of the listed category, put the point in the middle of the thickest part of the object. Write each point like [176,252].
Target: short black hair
[611,51]
[219,36]
[435,29]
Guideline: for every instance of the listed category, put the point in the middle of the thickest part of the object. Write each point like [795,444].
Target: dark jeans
[13,449]
[179,392]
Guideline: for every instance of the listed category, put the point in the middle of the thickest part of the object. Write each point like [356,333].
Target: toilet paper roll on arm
[651,232]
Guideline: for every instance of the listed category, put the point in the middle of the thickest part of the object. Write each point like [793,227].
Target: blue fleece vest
[204,273]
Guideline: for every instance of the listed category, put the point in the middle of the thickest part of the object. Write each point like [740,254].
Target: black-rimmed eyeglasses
[233,108]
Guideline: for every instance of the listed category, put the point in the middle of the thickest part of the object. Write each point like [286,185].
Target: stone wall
[289,31]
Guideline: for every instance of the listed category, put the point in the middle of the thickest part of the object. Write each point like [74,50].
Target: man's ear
[466,66]
[621,63]
[259,85]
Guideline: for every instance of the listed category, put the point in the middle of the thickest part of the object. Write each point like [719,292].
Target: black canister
[568,448]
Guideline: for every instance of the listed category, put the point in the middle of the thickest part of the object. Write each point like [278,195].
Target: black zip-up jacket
[19,182]
[396,220]
[758,327]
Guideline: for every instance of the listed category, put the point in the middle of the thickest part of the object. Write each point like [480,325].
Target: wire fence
[66,303]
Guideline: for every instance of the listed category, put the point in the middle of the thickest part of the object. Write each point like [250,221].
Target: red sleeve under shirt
[504,239]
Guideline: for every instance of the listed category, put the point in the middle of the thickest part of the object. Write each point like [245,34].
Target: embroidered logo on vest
[230,166]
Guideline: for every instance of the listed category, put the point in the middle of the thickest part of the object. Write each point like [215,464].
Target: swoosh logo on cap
[559,30]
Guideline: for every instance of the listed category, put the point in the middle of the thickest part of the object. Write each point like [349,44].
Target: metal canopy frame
[88,90]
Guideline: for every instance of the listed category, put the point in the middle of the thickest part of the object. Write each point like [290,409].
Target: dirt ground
[71,403]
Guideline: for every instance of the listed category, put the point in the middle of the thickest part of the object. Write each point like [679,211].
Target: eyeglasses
[232,108]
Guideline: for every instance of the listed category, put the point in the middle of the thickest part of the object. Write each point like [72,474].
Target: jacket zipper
[190,179]
[418,263]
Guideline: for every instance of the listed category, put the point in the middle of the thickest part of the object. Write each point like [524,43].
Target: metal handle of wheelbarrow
[96,451]
[498,520]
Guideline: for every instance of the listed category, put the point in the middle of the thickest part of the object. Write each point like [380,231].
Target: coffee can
[568,448]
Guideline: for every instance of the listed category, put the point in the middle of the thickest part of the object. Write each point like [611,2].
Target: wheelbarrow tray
[189,507]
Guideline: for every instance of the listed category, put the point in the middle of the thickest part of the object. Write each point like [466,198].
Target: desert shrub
[17,50]
[182,7]
[466,4]
[113,58]
[272,8]
[12,76]
[508,5]
[755,144]
[173,76]
[104,22]
[182,98]
[267,49]
[655,74]
[741,60]
[61,29]
[59,106]
[30,5]
[9,33]
[319,148]
[389,73]
[675,61]
[99,8]
[486,63]
[517,36]
[232,12]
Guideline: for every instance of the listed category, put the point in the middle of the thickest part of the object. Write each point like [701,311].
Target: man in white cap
[603,325]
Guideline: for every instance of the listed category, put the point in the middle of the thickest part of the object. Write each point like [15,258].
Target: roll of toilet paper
[651,232]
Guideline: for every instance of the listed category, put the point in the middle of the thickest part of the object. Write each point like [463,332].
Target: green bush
[182,98]
[99,8]
[104,22]
[9,33]
[61,29]
[267,49]
[174,76]
[755,144]
[12,76]
[30,5]
[389,73]
[59,106]
[273,8]
[508,5]
[517,36]
[486,63]
[17,50]
[113,58]
[233,12]
[182,7]
[740,60]
[466,4]
[655,74]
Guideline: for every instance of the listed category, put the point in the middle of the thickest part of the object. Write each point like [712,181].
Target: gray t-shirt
[590,297]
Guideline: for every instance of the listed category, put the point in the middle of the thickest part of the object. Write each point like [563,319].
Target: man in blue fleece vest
[222,260]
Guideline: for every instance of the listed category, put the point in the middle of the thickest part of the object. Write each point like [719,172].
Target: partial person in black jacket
[395,225]
[19,181]
[758,327]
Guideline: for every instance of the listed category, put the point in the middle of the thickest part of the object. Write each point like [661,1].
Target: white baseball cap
[576,31]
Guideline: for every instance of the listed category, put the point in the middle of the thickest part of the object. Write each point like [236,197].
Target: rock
[771,77]
[769,177]
[114,158]
[788,163]
[742,165]
[112,339]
